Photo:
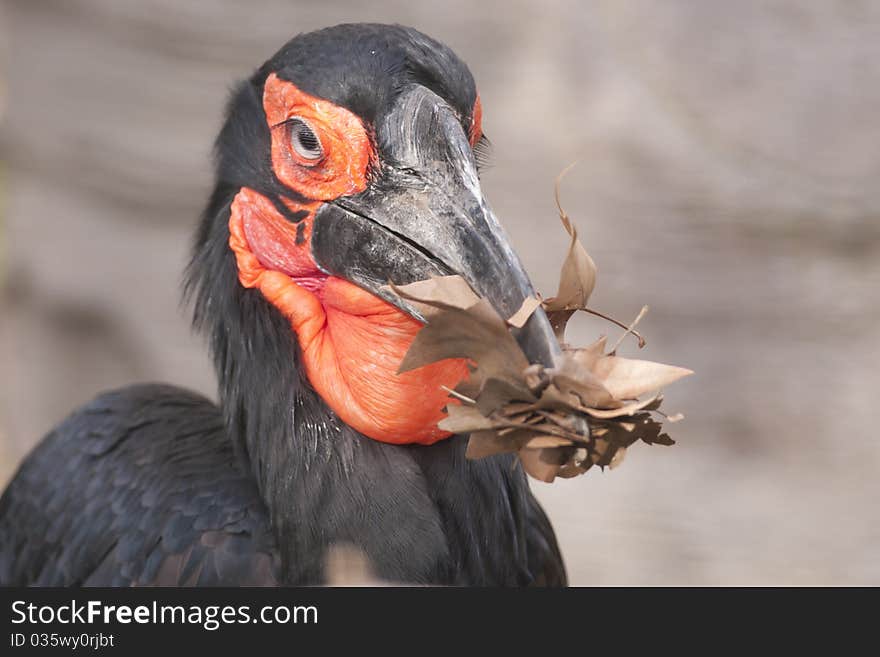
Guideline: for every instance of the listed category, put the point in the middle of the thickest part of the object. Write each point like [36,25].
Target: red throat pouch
[351,341]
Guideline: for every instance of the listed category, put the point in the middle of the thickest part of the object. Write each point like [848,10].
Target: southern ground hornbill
[345,162]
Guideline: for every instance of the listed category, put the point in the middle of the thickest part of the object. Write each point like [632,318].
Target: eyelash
[483,153]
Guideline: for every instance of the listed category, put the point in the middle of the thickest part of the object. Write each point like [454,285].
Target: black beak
[426,216]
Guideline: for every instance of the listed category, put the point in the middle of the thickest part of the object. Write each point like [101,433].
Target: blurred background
[729,166]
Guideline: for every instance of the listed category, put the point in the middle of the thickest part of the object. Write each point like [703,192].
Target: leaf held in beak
[577,279]
[475,332]
[560,420]
[627,378]
[521,316]
[431,295]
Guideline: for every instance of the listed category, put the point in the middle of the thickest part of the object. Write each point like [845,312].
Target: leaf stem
[631,329]
[459,396]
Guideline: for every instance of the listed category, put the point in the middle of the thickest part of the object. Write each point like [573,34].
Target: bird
[348,161]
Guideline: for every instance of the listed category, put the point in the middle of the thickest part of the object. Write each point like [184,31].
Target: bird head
[347,163]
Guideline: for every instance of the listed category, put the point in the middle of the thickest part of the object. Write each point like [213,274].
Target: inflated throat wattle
[352,342]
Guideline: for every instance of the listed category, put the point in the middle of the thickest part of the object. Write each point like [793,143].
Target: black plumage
[140,486]
[155,485]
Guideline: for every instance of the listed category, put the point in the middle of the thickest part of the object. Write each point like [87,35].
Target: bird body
[345,162]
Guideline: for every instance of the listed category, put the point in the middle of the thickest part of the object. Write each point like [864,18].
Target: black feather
[115,491]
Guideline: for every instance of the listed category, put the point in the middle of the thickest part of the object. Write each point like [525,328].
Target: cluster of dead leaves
[561,421]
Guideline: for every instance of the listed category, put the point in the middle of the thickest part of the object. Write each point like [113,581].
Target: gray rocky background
[729,167]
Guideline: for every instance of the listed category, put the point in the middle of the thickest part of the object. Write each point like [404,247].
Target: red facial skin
[476,131]
[351,341]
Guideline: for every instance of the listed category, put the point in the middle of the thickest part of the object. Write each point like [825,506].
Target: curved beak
[425,216]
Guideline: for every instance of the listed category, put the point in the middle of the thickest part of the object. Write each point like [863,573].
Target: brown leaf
[576,279]
[462,419]
[554,429]
[471,386]
[578,275]
[588,356]
[662,439]
[547,441]
[536,378]
[521,316]
[648,430]
[537,465]
[558,321]
[554,398]
[627,378]
[642,426]
[628,409]
[570,470]
[477,333]
[500,392]
[487,443]
[617,459]
[446,290]
[517,408]
[571,378]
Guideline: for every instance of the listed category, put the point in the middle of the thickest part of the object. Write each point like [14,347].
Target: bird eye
[305,141]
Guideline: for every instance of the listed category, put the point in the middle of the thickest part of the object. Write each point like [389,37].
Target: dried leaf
[521,316]
[617,459]
[500,392]
[570,470]
[576,279]
[536,464]
[642,427]
[578,275]
[446,290]
[588,356]
[536,378]
[558,321]
[547,441]
[627,378]
[471,386]
[477,333]
[517,408]
[487,443]
[662,439]
[554,429]
[462,419]
[623,411]
[571,378]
